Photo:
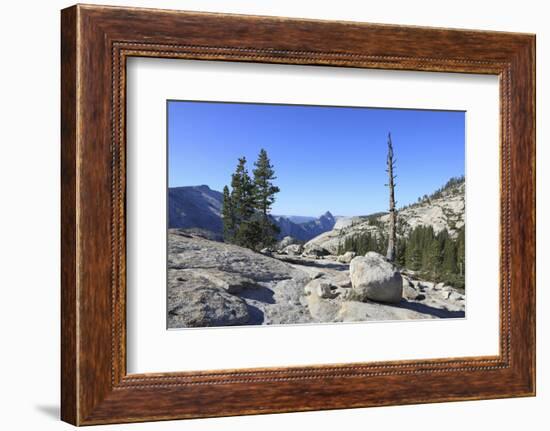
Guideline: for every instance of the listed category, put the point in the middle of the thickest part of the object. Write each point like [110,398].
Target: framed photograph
[323,214]
[238,240]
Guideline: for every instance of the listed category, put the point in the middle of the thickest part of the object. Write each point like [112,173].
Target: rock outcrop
[293,249]
[286,241]
[212,283]
[314,250]
[346,257]
[229,281]
[374,278]
[198,305]
[321,288]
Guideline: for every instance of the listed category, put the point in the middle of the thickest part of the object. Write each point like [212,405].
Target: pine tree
[461,251]
[246,209]
[401,251]
[413,253]
[437,257]
[242,192]
[362,244]
[228,216]
[449,258]
[264,197]
[432,255]
[242,200]
[341,246]
[249,233]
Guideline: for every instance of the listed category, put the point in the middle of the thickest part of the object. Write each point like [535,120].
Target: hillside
[195,207]
[442,210]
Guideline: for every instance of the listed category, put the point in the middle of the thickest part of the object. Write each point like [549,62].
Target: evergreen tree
[436,257]
[461,251]
[340,244]
[242,200]
[401,251]
[228,216]
[264,197]
[249,233]
[381,244]
[245,212]
[428,249]
[242,193]
[432,255]
[449,258]
[414,250]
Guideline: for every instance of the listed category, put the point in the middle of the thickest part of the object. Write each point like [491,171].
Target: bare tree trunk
[390,255]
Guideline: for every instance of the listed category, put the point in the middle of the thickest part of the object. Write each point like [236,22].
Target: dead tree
[390,255]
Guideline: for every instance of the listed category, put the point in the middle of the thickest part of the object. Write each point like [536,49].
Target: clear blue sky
[325,158]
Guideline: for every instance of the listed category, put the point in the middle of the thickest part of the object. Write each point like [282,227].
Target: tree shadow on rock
[316,264]
[260,294]
[256,315]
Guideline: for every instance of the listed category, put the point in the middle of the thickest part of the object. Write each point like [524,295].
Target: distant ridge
[195,207]
[199,208]
[295,219]
[308,230]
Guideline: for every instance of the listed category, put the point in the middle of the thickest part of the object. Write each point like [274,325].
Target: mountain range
[198,208]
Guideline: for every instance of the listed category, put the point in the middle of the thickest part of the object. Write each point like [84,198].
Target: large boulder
[314,250]
[374,278]
[293,250]
[321,288]
[286,241]
[207,306]
[409,291]
[346,257]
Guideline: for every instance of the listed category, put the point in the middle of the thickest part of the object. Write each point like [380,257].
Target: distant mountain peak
[195,207]
[199,207]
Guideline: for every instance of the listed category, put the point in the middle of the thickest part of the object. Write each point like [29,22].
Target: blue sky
[325,158]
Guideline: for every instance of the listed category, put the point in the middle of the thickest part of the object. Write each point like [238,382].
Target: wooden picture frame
[95,43]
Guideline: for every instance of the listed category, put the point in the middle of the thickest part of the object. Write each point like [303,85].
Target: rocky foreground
[217,284]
